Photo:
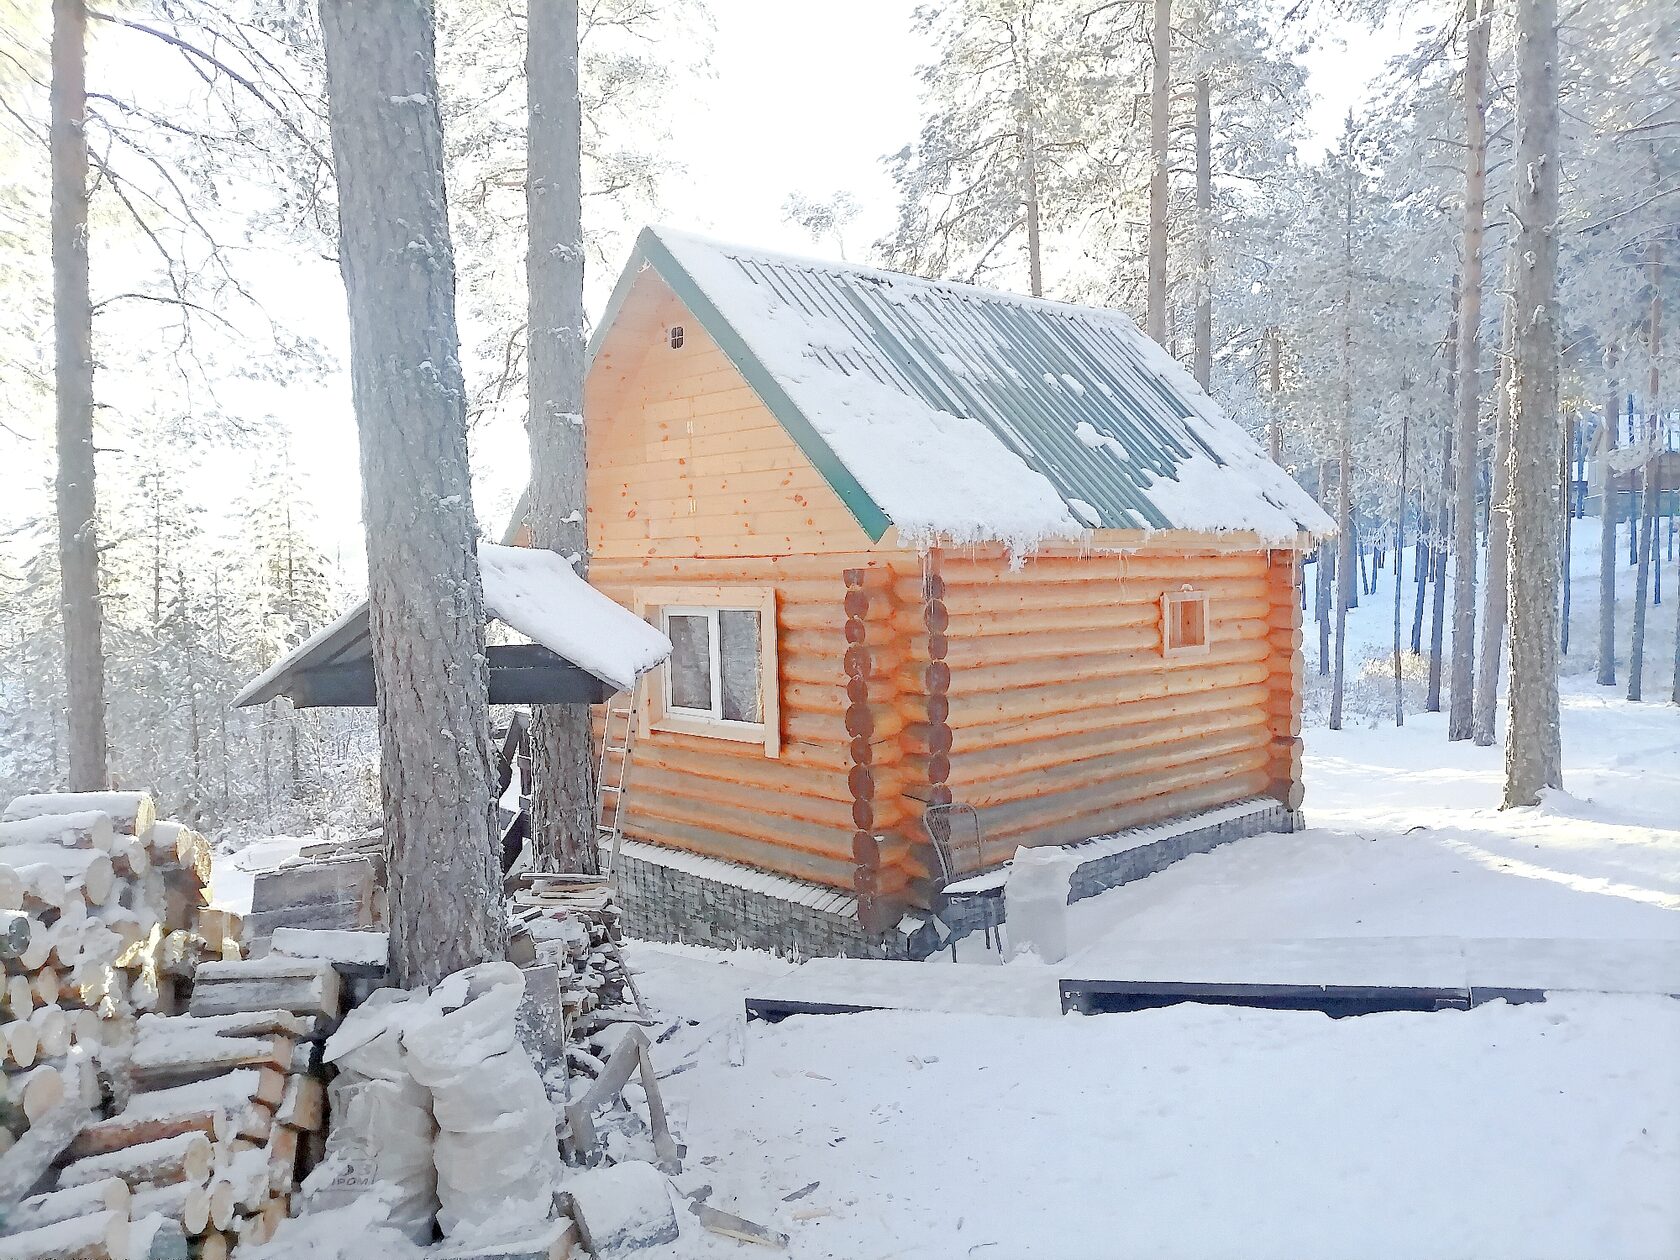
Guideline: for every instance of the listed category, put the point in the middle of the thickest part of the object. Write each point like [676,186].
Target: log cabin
[946,572]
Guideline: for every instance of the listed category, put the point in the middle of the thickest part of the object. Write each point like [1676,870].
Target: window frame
[1171,602]
[655,604]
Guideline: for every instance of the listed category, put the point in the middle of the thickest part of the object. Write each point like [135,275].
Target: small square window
[1184,623]
[676,336]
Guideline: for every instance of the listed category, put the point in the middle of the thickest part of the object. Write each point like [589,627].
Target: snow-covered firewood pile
[573,922]
[102,917]
[134,1129]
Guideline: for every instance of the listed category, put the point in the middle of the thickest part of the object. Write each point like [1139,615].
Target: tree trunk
[1642,589]
[1608,508]
[1567,533]
[1274,373]
[1462,705]
[78,532]
[1344,556]
[562,743]
[1420,578]
[1533,740]
[1202,351]
[1438,567]
[425,601]
[1498,541]
[1399,565]
[1160,104]
[1029,196]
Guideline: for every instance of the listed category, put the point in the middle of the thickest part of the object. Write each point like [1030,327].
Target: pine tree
[1533,740]
[426,608]
[562,764]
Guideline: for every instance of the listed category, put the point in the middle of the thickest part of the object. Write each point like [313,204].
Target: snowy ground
[1548,1130]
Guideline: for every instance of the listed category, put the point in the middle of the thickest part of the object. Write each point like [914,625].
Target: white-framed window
[722,679]
[1185,628]
[716,666]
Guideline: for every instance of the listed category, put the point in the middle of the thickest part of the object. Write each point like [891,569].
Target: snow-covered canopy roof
[953,411]
[532,591]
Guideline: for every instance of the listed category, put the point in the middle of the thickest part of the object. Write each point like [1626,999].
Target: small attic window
[1184,623]
[675,336]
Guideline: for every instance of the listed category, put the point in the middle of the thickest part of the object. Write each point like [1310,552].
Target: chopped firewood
[109,1195]
[81,829]
[282,1160]
[185,1157]
[304,1104]
[32,1154]
[177,1061]
[98,1236]
[302,985]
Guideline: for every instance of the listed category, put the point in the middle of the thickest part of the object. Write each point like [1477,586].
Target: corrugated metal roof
[1076,394]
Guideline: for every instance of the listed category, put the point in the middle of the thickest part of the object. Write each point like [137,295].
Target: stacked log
[573,924]
[221,1111]
[102,916]
[327,887]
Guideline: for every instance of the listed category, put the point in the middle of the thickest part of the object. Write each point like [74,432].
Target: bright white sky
[801,97]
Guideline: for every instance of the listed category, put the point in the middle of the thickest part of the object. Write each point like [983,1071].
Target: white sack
[496,1153]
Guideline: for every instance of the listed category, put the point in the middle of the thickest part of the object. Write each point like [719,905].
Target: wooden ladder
[612,772]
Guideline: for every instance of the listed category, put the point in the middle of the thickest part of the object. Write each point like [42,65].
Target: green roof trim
[650,249]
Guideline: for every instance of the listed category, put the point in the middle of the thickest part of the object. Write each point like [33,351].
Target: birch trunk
[1567,533]
[1499,540]
[562,743]
[425,600]
[78,541]
[1533,741]
[1202,343]
[1160,105]
[1608,508]
[1460,712]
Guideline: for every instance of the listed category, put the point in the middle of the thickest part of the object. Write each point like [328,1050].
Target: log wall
[1067,722]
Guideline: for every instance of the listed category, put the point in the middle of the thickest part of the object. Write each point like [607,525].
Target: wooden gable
[685,459]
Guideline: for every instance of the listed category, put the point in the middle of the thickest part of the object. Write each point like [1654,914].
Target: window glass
[690,670]
[738,661]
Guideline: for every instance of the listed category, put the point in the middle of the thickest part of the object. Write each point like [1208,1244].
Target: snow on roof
[531,590]
[957,412]
[537,593]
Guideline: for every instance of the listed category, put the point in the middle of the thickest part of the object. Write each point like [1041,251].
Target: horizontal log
[97,1236]
[131,813]
[87,829]
[1096,805]
[184,1157]
[821,848]
[1189,797]
[1122,769]
[172,1062]
[1161,722]
[821,782]
[37,1211]
[1098,668]
[769,804]
[1236,666]
[695,837]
